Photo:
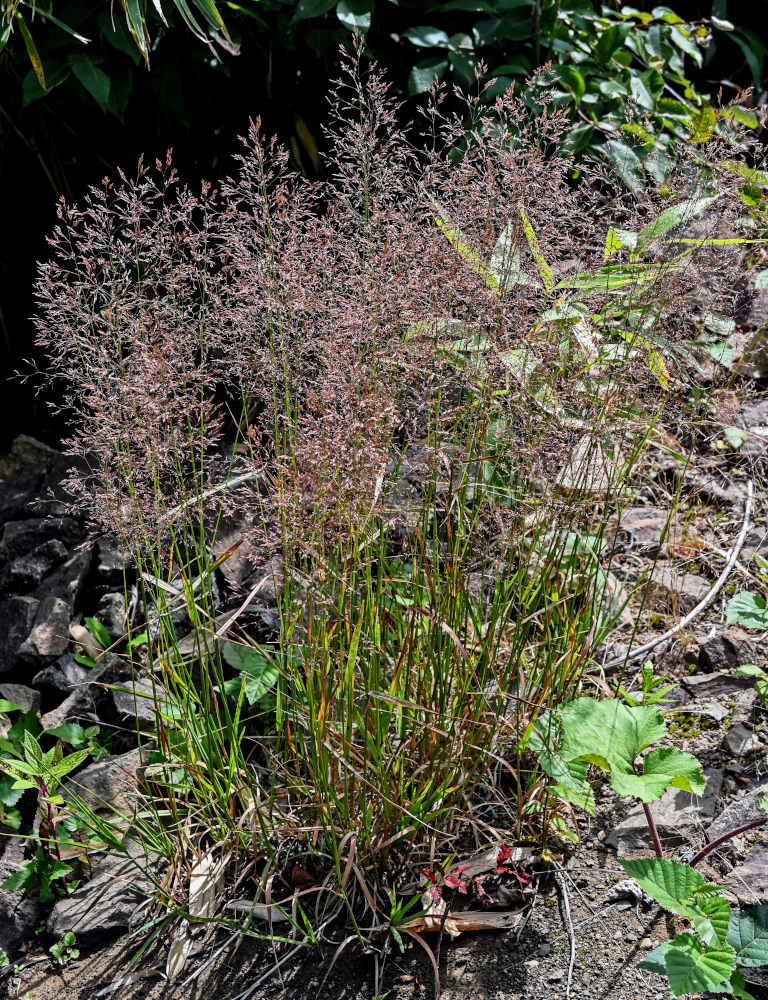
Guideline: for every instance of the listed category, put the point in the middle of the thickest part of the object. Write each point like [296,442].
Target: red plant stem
[652,828]
[724,838]
[52,827]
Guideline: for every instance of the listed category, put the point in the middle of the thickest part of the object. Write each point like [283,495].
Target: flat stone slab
[679,816]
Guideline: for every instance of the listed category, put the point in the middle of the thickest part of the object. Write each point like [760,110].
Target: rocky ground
[52,577]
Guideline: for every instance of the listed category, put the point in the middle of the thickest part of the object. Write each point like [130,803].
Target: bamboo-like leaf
[544,269]
[137,26]
[34,55]
[47,16]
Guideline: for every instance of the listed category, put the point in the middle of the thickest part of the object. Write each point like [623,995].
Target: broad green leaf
[544,269]
[703,123]
[748,935]
[656,961]
[427,37]
[672,217]
[311,8]
[69,732]
[95,80]
[10,706]
[626,162]
[671,883]
[761,279]
[257,672]
[609,731]
[505,265]
[21,879]
[32,750]
[9,795]
[355,14]
[422,77]
[693,969]
[662,768]
[749,670]
[747,609]
[713,920]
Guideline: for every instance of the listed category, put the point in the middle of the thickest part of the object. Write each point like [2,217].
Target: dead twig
[571,933]
[635,654]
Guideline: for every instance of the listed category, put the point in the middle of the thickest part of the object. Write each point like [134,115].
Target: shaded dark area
[198,104]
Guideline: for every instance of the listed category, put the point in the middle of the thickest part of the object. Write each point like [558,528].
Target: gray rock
[29,570]
[743,810]
[640,529]
[137,704]
[671,588]
[749,881]
[28,698]
[25,451]
[17,538]
[113,614]
[64,675]
[678,816]
[109,564]
[49,637]
[729,649]
[20,910]
[88,699]
[744,706]
[711,710]
[741,740]
[109,787]
[17,616]
[715,685]
[105,904]
[67,580]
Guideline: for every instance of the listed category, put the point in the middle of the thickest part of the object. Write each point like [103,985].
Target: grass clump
[419,389]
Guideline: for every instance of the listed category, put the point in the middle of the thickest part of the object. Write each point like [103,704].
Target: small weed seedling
[65,951]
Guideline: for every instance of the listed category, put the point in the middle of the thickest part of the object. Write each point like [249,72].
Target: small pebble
[555,976]
[543,949]
[646,943]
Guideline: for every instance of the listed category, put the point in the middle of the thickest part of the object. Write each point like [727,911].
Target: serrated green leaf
[32,750]
[671,883]
[713,920]
[609,731]
[739,986]
[656,960]
[662,768]
[692,968]
[70,732]
[747,609]
[748,935]
[21,879]
[9,795]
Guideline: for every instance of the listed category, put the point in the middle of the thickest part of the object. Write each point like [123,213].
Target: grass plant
[422,388]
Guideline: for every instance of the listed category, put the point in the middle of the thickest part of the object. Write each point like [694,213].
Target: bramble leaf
[692,968]
[748,935]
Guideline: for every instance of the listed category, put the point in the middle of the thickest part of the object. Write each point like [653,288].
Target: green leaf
[544,269]
[355,14]
[693,969]
[257,672]
[85,661]
[739,986]
[761,279]
[422,77]
[311,8]
[748,935]
[427,37]
[662,768]
[95,80]
[69,732]
[703,123]
[22,879]
[98,632]
[609,731]
[10,706]
[671,883]
[34,55]
[9,795]
[32,750]
[672,217]
[626,163]
[747,609]
[656,960]
[712,921]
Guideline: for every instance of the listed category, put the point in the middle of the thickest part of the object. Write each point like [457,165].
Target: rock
[88,699]
[715,685]
[17,538]
[25,451]
[672,589]
[711,710]
[63,675]
[744,706]
[109,787]
[727,650]
[678,816]
[109,564]
[22,472]
[29,570]
[639,530]
[105,904]
[113,614]
[67,580]
[741,740]
[749,881]
[17,617]
[20,910]
[743,810]
[49,637]
[28,698]
[138,703]
[756,543]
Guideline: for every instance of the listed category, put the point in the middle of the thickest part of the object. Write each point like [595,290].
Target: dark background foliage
[105,106]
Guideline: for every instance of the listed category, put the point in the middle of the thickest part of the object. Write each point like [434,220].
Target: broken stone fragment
[17,616]
[49,637]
